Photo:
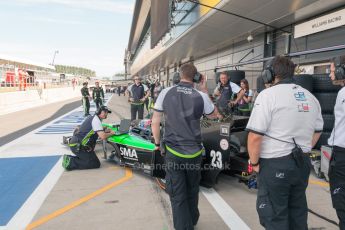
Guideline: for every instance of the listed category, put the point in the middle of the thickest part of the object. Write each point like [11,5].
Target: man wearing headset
[183,106]
[224,91]
[285,123]
[83,142]
[337,141]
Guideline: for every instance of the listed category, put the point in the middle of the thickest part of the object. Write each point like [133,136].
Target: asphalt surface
[17,124]
[116,198]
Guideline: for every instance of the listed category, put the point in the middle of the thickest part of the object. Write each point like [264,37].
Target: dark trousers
[83,160]
[86,106]
[98,102]
[182,184]
[281,201]
[137,109]
[337,183]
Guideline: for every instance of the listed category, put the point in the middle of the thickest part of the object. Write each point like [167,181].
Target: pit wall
[20,100]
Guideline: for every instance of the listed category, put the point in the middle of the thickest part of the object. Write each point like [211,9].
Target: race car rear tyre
[161,183]
[304,80]
[322,83]
[327,101]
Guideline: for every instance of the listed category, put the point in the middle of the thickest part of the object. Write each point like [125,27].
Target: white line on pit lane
[29,209]
[228,215]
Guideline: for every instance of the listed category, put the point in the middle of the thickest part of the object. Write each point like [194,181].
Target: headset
[102,108]
[268,74]
[177,78]
[339,69]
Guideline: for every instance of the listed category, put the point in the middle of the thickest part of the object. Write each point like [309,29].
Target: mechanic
[83,142]
[183,106]
[98,95]
[285,123]
[224,91]
[138,93]
[337,141]
[86,99]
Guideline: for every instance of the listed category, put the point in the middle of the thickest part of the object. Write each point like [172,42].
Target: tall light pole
[56,52]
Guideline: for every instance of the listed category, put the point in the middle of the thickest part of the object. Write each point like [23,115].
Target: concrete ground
[116,198]
[19,123]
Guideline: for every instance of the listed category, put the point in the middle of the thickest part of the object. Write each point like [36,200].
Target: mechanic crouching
[337,141]
[183,106]
[285,124]
[83,142]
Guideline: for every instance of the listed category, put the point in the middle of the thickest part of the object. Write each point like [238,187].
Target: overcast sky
[87,33]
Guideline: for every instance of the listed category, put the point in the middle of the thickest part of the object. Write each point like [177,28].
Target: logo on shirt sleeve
[304,107]
[299,96]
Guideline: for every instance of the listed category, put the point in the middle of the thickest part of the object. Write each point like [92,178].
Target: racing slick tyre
[327,101]
[115,154]
[328,122]
[322,83]
[304,80]
[236,76]
[161,183]
[323,140]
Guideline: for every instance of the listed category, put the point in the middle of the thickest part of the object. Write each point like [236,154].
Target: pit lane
[138,203]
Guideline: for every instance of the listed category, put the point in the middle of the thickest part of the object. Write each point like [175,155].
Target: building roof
[26,62]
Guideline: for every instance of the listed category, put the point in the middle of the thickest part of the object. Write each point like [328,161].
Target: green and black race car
[224,143]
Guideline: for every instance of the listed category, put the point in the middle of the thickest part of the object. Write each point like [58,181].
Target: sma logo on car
[128,153]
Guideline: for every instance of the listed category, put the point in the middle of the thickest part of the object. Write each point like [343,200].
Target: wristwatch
[254,164]
[157,145]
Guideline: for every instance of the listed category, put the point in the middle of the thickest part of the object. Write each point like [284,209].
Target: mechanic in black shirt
[98,95]
[86,99]
[138,93]
[183,106]
[83,142]
[224,91]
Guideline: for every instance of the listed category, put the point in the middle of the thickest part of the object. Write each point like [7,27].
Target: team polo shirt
[183,106]
[338,134]
[87,134]
[137,92]
[234,87]
[226,93]
[284,112]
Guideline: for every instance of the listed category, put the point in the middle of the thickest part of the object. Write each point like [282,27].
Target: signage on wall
[323,23]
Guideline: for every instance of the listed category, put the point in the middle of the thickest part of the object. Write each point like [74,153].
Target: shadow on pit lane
[63,110]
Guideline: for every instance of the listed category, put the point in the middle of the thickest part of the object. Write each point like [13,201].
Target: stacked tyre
[326,93]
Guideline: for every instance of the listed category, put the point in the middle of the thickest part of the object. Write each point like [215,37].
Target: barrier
[20,100]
